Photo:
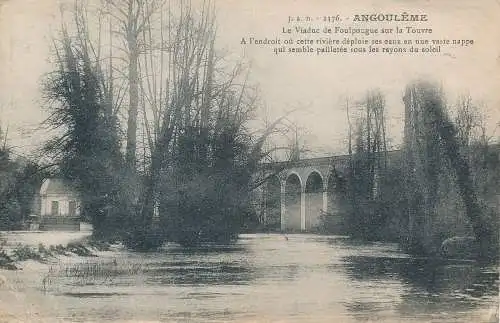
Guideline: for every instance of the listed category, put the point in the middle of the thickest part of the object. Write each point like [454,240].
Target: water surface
[266,278]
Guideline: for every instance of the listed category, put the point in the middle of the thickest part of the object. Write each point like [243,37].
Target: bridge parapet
[323,166]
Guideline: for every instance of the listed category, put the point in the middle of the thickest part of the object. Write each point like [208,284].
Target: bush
[209,208]
[79,250]
[23,252]
[6,262]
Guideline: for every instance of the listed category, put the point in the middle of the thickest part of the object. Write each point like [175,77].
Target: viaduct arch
[298,192]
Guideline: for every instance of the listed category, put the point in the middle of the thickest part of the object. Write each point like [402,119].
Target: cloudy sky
[317,84]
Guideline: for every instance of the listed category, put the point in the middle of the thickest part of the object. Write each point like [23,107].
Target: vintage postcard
[249,161]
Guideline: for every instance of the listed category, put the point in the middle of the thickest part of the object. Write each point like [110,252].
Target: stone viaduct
[296,193]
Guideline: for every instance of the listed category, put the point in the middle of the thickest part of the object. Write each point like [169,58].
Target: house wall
[63,199]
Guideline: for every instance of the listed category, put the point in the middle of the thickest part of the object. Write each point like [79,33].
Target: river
[269,278]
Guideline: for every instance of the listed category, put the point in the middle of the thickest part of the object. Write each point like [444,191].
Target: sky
[317,85]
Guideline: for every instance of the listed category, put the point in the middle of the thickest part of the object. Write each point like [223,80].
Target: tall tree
[87,148]
[422,148]
[368,162]
[194,110]
[133,18]
[427,129]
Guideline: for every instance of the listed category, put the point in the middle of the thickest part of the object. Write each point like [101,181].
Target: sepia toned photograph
[249,161]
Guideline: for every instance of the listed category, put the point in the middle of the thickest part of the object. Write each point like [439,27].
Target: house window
[72,208]
[54,208]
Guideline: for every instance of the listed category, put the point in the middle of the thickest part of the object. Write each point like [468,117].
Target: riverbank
[34,254]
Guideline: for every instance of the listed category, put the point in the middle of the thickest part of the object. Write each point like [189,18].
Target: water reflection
[430,287]
[203,265]
[198,273]
[95,294]
[204,249]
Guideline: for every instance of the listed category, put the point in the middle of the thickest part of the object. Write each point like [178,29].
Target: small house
[59,206]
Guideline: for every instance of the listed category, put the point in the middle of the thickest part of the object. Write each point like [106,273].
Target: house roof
[55,186]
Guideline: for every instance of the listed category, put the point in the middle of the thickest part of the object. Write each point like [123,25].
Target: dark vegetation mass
[186,173]
[439,194]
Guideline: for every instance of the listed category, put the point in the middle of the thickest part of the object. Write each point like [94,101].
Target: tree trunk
[133,78]
[482,231]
